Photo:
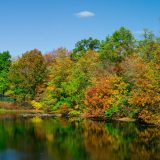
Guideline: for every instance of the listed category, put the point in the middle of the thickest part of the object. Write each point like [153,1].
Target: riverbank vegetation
[114,78]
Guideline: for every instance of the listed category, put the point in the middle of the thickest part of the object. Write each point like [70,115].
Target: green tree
[59,70]
[81,75]
[120,44]
[4,68]
[149,46]
[25,74]
[83,46]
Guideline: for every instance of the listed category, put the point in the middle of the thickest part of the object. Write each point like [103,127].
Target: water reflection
[61,139]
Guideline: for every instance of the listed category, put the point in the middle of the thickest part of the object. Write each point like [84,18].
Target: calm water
[61,139]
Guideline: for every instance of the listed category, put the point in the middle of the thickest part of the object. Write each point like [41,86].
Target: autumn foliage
[116,77]
[106,92]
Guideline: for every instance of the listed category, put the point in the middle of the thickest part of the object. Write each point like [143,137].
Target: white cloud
[85,14]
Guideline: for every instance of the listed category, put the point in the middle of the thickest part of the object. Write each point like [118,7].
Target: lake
[75,139]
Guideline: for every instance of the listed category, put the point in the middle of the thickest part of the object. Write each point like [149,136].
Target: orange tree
[106,96]
[144,80]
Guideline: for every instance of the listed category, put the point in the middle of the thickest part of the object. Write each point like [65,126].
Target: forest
[113,78]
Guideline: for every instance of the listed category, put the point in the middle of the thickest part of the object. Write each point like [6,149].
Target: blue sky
[49,24]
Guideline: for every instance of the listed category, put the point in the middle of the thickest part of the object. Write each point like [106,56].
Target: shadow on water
[61,139]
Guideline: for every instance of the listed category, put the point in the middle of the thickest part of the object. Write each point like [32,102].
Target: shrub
[36,105]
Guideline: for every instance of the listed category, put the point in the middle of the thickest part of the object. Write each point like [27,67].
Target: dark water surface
[61,139]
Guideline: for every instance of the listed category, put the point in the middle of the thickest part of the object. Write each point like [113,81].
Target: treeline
[119,76]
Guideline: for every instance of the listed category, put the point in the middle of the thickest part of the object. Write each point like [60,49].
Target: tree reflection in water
[50,139]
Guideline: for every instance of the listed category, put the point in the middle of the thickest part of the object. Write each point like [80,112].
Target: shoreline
[32,113]
[8,110]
